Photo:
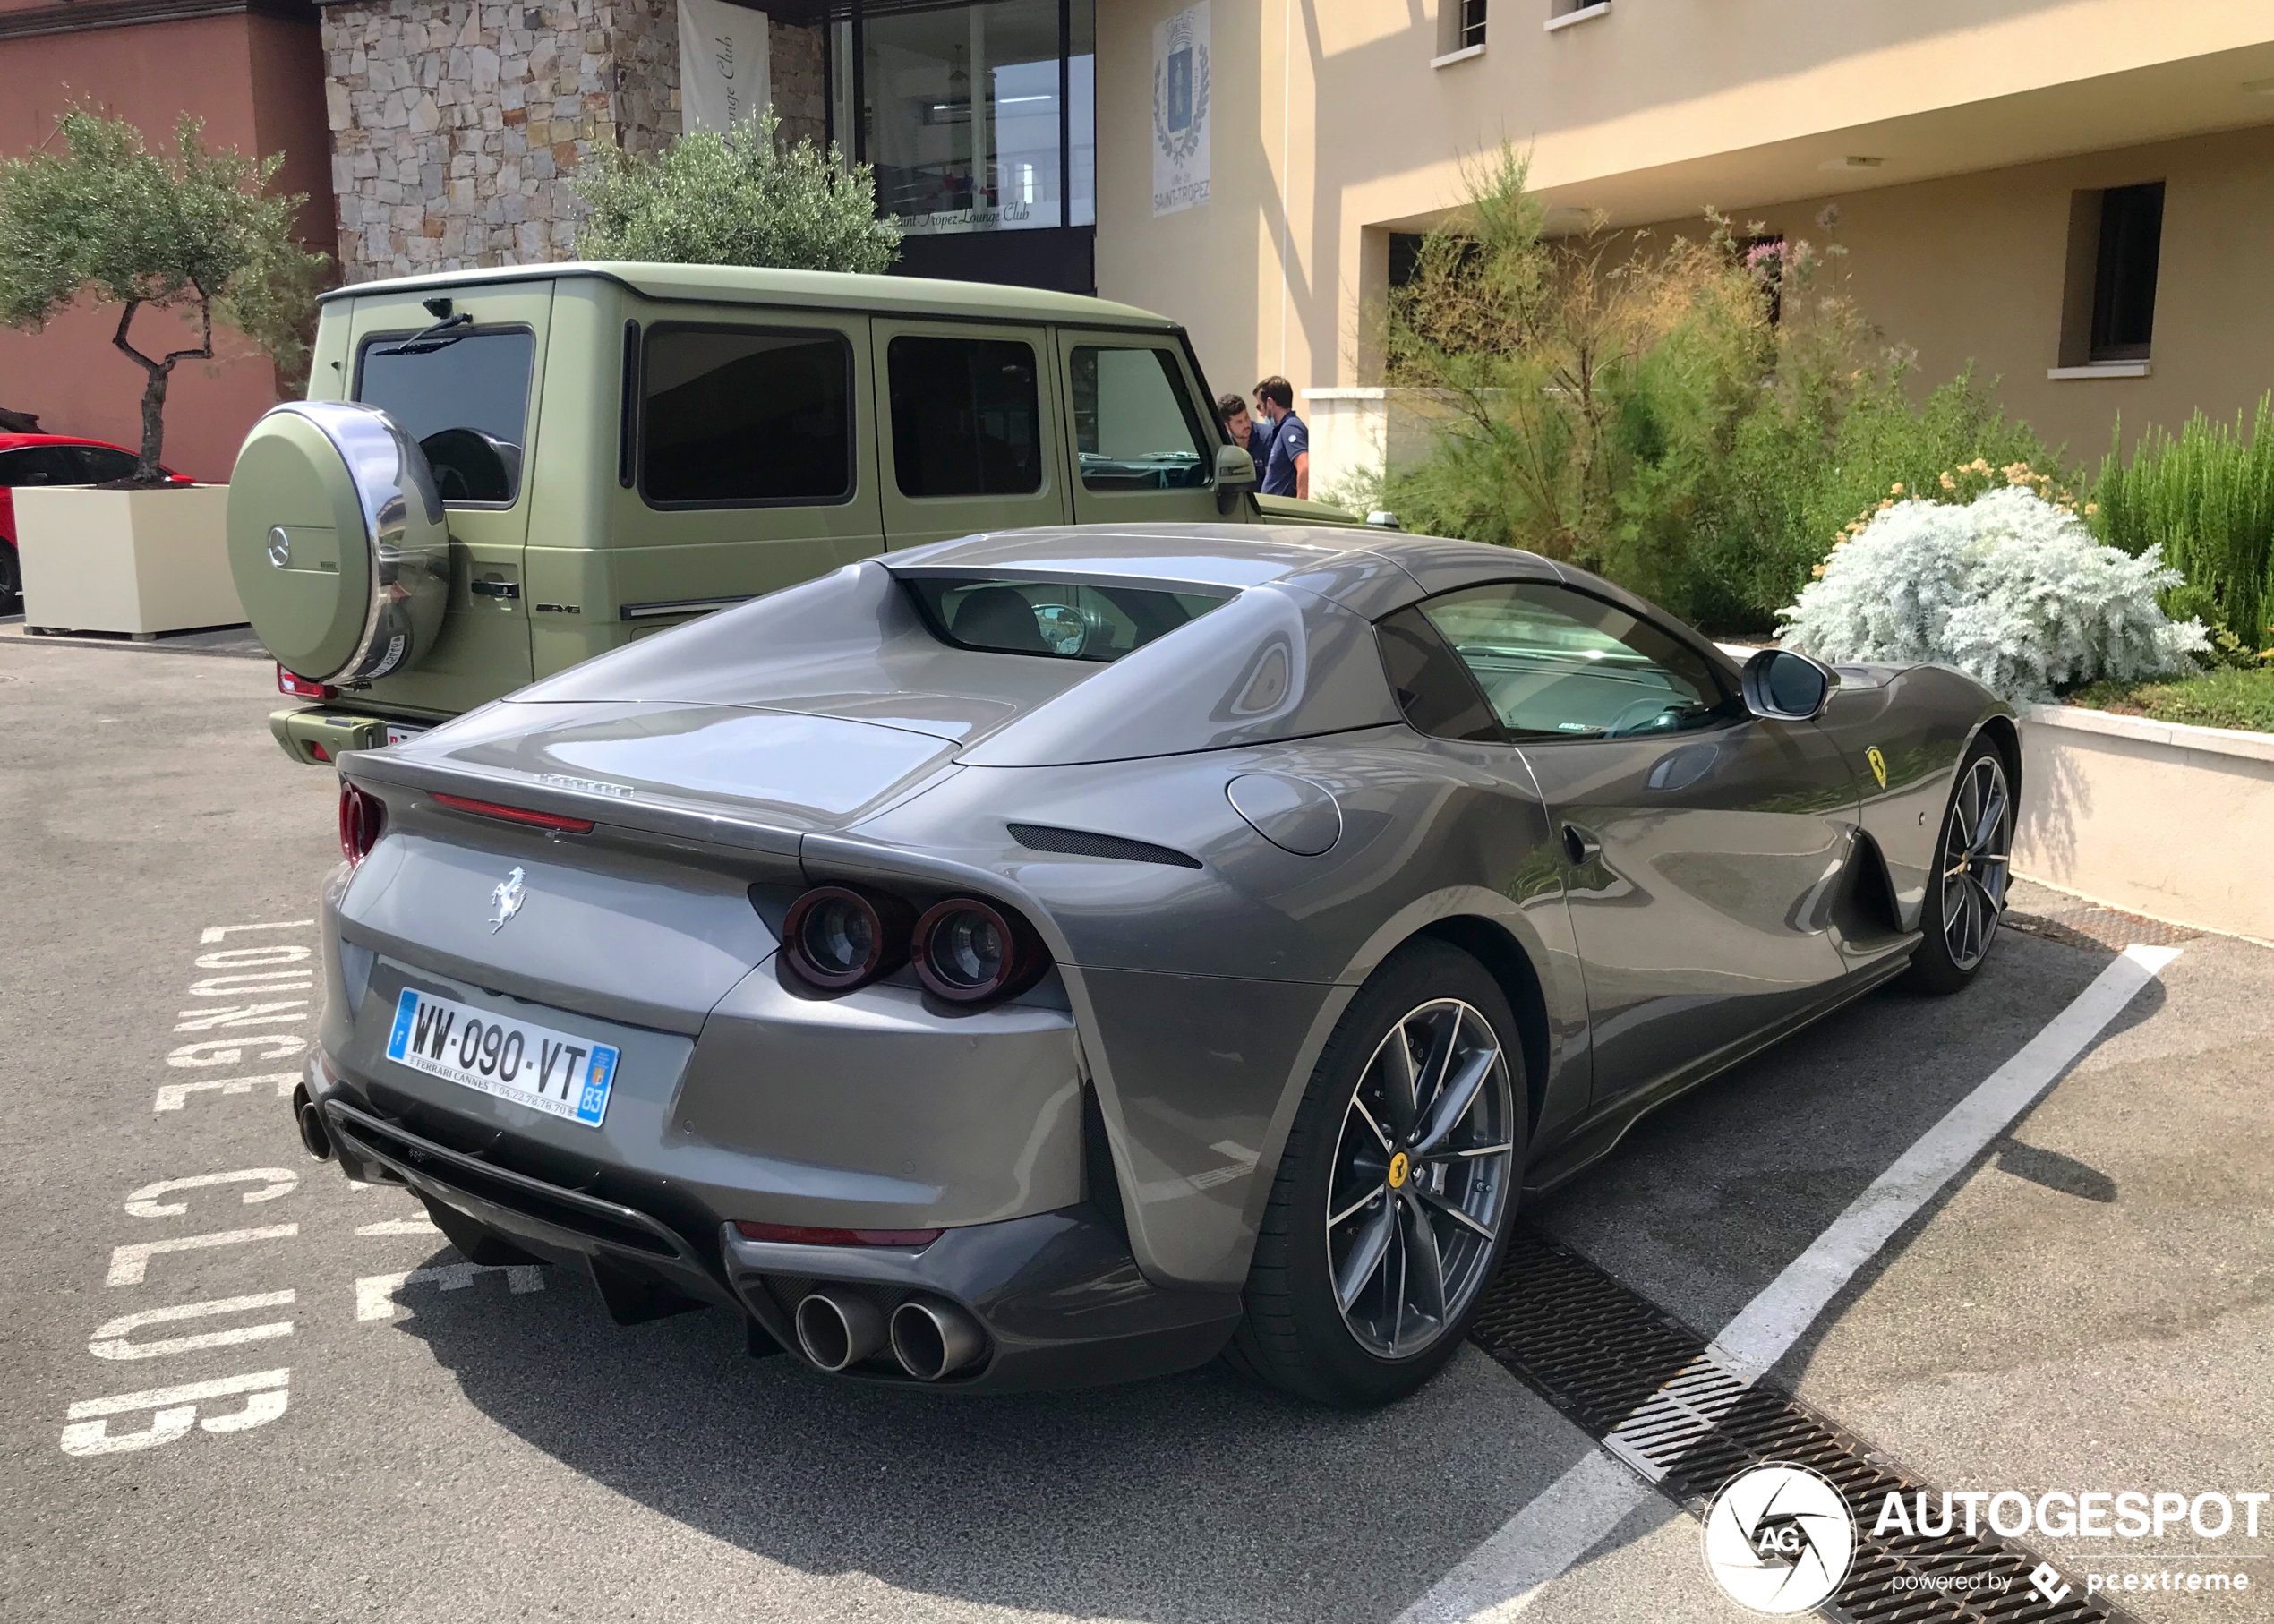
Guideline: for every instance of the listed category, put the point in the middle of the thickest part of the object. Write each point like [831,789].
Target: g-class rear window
[744,416]
[463,395]
[1056,620]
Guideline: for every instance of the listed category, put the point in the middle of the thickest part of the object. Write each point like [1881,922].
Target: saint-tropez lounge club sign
[1180,111]
[723,71]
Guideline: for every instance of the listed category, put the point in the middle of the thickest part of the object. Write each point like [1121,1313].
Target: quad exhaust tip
[314,1137]
[932,1338]
[837,1328]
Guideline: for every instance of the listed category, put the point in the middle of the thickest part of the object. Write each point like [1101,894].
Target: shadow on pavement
[1202,1498]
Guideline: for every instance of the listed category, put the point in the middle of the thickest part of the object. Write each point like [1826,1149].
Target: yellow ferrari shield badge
[1398,1166]
[1878,764]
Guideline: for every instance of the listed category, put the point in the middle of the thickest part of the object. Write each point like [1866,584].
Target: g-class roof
[817,289]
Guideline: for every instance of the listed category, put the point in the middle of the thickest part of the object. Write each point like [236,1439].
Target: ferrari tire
[1966,888]
[11,579]
[1306,1330]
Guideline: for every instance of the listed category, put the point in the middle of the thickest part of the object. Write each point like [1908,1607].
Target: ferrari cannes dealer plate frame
[529,1064]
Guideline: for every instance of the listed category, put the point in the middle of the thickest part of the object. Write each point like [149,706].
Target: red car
[51,459]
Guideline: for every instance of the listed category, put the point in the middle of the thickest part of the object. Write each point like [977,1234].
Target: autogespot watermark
[1779,1539]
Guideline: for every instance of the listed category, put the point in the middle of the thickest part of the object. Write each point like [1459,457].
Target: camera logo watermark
[1778,1539]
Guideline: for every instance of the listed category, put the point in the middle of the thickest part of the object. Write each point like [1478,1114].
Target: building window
[1468,23]
[978,117]
[2123,279]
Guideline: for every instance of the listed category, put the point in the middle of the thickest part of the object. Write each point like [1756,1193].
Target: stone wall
[454,122]
[800,85]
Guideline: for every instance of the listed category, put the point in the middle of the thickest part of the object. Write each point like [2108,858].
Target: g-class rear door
[1144,444]
[468,393]
[971,434]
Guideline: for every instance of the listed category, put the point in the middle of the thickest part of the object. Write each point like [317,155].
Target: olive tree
[197,232]
[743,197]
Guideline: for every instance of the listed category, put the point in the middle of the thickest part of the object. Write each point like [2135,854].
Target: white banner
[722,68]
[1180,110]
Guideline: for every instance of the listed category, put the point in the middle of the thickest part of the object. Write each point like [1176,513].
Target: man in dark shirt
[1249,435]
[1287,469]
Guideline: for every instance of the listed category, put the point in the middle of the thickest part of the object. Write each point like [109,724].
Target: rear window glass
[733,416]
[463,395]
[967,417]
[1053,618]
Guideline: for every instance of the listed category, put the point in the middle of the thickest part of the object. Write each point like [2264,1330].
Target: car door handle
[1578,845]
[496,589]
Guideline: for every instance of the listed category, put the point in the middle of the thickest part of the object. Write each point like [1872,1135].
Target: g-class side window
[1134,428]
[737,416]
[967,417]
[463,395]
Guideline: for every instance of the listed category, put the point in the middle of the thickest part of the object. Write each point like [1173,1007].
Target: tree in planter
[743,197]
[198,233]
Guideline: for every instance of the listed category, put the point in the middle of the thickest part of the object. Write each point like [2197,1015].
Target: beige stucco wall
[1331,127]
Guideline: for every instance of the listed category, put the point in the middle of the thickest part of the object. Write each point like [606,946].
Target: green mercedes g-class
[498,474]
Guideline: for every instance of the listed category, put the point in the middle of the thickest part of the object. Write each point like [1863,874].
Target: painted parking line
[1505,1575]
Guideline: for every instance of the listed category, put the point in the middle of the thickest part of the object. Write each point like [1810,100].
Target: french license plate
[529,1064]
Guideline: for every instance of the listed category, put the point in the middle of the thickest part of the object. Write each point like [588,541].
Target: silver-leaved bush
[2008,588]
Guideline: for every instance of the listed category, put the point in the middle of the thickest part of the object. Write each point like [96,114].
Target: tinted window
[967,418]
[100,463]
[44,465]
[735,416]
[1555,663]
[464,397]
[1433,688]
[1134,427]
[1053,618]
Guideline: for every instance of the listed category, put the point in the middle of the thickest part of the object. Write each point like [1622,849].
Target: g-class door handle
[1578,845]
[496,589]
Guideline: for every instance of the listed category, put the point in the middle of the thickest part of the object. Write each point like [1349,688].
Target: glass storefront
[978,117]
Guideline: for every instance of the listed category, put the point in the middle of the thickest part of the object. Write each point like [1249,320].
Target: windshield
[465,398]
[1053,618]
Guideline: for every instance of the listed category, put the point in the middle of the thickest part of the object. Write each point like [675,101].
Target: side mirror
[1382,518]
[1786,687]
[1235,476]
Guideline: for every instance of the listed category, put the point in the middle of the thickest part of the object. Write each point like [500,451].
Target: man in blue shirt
[1286,470]
[1251,436]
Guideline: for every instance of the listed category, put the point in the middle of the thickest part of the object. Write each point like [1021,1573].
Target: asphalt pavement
[375,1429]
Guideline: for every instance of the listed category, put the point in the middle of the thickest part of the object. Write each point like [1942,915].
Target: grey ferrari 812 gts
[1070,955]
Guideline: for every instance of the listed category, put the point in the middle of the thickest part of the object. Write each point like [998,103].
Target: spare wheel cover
[336,542]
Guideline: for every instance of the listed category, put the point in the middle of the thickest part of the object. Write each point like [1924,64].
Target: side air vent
[1083,843]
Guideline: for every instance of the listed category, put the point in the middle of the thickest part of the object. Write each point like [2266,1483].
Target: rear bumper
[1058,1294]
[302,732]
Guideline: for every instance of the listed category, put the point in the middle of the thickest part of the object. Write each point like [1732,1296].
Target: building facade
[2073,196]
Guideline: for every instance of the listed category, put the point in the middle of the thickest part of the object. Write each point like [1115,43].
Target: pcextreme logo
[1779,1539]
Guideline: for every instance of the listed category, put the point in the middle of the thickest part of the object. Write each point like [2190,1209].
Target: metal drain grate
[2099,928]
[1665,1403]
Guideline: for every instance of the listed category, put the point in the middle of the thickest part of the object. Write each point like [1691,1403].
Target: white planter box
[2153,817]
[140,562]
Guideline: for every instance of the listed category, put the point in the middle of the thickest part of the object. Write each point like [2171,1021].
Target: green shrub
[2225,698]
[743,197]
[2207,498]
[1696,420]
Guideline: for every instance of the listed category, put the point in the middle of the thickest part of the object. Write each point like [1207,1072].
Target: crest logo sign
[1180,111]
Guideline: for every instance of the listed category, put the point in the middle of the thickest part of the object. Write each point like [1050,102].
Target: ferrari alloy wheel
[1393,1203]
[1966,892]
[1420,1179]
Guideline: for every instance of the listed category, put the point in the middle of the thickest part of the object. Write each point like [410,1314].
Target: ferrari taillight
[362,817]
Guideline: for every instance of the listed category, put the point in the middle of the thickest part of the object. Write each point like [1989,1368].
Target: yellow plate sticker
[1878,764]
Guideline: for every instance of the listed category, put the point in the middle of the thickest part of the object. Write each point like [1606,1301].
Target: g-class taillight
[362,817]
